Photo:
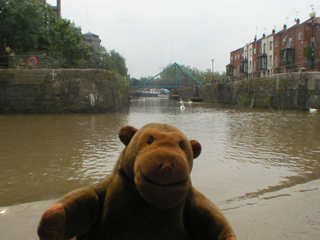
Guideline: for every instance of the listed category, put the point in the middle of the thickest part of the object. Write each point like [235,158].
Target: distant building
[57,9]
[91,38]
[294,49]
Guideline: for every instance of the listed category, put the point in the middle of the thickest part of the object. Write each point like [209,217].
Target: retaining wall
[281,91]
[61,91]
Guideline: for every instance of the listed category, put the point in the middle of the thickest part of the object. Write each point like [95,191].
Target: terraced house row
[291,49]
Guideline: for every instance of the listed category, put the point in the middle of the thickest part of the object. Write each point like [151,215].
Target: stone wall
[281,91]
[62,91]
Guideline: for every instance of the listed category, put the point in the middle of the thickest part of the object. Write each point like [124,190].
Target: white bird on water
[182,107]
[313,110]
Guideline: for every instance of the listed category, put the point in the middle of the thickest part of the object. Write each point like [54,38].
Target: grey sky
[151,34]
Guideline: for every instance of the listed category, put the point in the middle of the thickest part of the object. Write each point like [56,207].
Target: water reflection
[285,144]
[247,153]
[42,156]
[261,167]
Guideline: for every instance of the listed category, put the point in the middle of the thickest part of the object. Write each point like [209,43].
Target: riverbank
[62,91]
[295,91]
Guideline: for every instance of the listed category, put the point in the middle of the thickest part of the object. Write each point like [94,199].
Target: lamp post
[212,61]
[312,15]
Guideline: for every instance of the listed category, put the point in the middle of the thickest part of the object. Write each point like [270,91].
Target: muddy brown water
[260,166]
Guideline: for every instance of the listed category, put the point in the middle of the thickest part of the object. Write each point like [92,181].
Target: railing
[305,66]
[29,62]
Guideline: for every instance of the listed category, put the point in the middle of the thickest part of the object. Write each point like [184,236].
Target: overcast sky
[150,34]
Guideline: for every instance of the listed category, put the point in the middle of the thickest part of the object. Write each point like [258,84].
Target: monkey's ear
[196,148]
[126,133]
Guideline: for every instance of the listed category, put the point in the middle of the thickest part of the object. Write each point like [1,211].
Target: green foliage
[118,63]
[111,61]
[167,78]
[66,39]
[23,25]
[96,57]
[30,25]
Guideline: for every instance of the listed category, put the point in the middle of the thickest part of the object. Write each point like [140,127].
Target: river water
[260,166]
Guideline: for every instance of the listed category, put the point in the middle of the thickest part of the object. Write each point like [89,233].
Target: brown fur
[148,195]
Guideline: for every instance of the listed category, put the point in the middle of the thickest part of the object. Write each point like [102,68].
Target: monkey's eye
[150,140]
[181,144]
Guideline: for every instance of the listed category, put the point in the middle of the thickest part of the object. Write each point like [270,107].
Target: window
[270,45]
[276,61]
[231,58]
[287,56]
[276,44]
[290,41]
[243,66]
[262,62]
[254,51]
[260,49]
[284,41]
[264,47]
[270,61]
[300,36]
[299,53]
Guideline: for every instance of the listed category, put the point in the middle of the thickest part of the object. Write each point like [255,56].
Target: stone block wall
[62,91]
[280,91]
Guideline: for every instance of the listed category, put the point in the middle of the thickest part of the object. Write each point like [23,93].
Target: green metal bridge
[176,67]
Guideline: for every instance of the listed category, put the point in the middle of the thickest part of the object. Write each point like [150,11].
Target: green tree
[115,62]
[97,57]
[111,61]
[65,38]
[29,25]
[167,78]
[134,82]
[23,25]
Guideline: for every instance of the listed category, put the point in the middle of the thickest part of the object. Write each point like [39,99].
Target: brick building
[236,57]
[291,49]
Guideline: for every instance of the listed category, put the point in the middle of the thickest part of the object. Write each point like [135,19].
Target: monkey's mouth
[163,184]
